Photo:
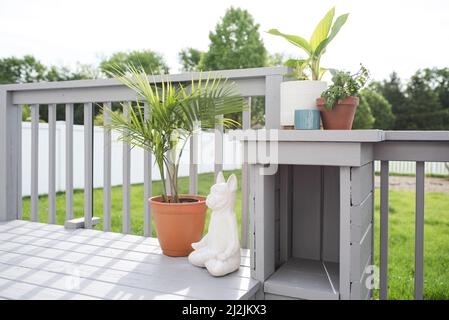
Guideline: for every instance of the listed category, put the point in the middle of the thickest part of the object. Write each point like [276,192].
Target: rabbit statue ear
[220,178]
[232,183]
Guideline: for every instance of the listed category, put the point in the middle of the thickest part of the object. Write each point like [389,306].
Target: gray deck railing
[419,147]
[250,83]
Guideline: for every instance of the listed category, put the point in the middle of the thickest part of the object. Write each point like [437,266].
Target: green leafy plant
[166,114]
[344,84]
[324,33]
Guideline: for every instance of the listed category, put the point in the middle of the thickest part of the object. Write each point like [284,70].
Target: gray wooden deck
[42,261]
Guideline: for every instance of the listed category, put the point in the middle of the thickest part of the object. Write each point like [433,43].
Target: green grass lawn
[401,249]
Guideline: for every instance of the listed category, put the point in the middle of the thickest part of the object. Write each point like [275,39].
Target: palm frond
[173,109]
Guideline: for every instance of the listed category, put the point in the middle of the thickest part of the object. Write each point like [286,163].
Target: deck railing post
[272,101]
[10,151]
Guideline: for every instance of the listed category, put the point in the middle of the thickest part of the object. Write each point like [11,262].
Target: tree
[275,59]
[150,61]
[439,79]
[99,119]
[363,118]
[423,104]
[235,43]
[380,109]
[191,59]
[392,91]
[21,70]
[424,109]
[82,71]
[26,113]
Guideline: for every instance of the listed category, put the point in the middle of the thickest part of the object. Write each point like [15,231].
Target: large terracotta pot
[178,225]
[341,116]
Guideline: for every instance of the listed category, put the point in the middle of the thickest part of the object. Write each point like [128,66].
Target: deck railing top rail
[250,82]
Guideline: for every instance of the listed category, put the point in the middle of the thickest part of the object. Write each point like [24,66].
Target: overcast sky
[385,35]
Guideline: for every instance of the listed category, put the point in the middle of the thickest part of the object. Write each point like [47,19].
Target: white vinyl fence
[409,167]
[231,151]
[232,154]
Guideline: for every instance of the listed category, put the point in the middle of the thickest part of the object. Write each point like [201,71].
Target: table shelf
[305,279]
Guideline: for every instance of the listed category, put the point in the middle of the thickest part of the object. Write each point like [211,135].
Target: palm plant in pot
[339,102]
[174,112]
[302,93]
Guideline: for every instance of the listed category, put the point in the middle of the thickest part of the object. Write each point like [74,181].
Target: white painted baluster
[69,161]
[419,231]
[384,194]
[34,162]
[19,161]
[218,147]
[106,169]
[88,165]
[52,163]
[246,124]
[126,216]
[147,181]
[193,167]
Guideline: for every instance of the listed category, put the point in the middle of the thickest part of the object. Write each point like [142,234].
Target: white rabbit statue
[219,250]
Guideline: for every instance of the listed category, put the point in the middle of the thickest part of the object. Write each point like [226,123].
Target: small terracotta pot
[341,116]
[178,225]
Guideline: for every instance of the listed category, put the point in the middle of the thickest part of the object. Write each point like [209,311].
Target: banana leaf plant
[166,114]
[324,33]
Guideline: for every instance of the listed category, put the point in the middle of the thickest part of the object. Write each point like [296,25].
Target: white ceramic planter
[300,94]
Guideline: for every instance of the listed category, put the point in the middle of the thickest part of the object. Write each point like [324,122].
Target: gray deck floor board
[41,261]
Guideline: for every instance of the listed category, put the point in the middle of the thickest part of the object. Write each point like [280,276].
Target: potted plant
[175,112]
[302,93]
[339,102]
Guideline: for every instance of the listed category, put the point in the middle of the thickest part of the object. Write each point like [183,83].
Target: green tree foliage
[21,70]
[82,71]
[424,102]
[392,90]
[29,69]
[275,60]
[363,117]
[99,119]
[191,59]
[235,43]
[26,113]
[380,109]
[150,61]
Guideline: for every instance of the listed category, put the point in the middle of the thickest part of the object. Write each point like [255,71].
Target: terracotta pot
[178,225]
[341,116]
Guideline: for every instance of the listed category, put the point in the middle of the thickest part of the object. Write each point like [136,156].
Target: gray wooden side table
[312,212]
